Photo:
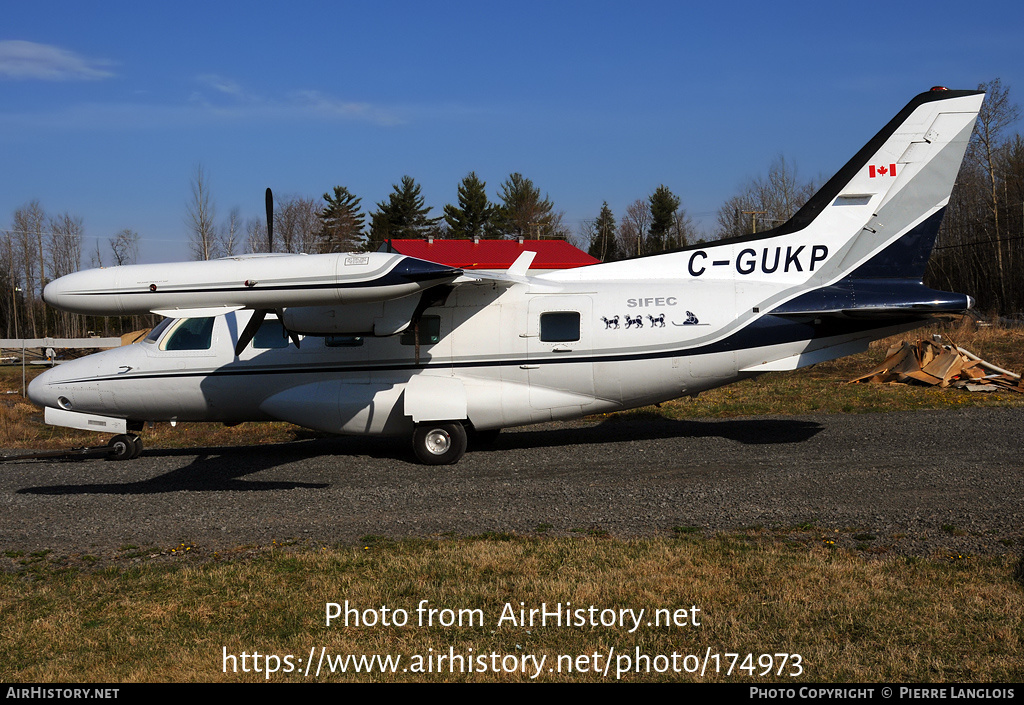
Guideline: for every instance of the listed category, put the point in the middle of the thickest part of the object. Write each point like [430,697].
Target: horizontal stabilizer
[875,298]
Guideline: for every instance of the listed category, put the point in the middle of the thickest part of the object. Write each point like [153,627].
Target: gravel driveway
[917,483]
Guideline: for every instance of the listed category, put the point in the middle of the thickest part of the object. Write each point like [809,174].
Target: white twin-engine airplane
[381,343]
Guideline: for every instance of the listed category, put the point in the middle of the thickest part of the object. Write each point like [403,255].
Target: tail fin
[876,219]
[895,189]
[898,181]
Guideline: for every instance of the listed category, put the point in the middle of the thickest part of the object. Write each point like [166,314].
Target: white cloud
[216,100]
[227,98]
[42,62]
[316,104]
[223,85]
[193,113]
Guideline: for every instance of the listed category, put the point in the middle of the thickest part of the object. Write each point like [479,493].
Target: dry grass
[849,619]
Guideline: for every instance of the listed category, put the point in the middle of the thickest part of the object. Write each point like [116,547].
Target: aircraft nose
[39,389]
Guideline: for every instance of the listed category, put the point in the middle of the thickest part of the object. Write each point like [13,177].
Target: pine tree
[341,221]
[403,215]
[523,213]
[663,209]
[603,243]
[472,217]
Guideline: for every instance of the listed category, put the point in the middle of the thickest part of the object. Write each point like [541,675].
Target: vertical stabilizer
[895,187]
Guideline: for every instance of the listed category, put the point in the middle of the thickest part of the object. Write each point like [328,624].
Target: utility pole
[753,220]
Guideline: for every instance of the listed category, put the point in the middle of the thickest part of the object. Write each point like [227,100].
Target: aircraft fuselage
[483,357]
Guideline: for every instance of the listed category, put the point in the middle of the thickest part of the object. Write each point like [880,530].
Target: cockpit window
[190,334]
[158,330]
[271,334]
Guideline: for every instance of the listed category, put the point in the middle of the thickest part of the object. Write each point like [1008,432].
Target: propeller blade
[249,332]
[294,336]
[270,220]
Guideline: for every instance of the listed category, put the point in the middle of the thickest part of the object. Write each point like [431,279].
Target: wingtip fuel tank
[246,282]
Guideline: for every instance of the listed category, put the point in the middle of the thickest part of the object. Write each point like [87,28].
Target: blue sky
[107,108]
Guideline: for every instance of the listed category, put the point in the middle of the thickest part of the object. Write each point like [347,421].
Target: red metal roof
[495,254]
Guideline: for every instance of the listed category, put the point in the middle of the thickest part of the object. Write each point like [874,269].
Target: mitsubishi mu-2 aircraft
[385,344]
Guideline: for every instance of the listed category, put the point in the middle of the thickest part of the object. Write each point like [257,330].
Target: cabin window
[271,334]
[190,334]
[343,341]
[430,331]
[560,326]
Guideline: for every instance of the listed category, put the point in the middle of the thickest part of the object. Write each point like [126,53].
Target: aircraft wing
[371,293]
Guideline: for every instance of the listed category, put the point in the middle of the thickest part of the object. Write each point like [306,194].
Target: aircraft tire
[439,443]
[136,446]
[122,447]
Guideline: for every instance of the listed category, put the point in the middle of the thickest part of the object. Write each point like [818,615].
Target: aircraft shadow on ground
[224,469]
[212,470]
[643,427]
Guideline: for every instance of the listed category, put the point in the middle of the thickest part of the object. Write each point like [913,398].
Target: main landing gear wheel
[125,446]
[439,443]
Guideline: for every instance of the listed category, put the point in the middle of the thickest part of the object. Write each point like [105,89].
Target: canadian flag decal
[874,171]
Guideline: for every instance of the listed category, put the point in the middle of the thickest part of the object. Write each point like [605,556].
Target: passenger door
[559,347]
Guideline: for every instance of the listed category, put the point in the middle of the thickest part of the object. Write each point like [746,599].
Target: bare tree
[633,227]
[764,203]
[297,224]
[10,283]
[125,246]
[29,233]
[200,218]
[256,235]
[231,233]
[737,215]
[65,245]
[96,256]
[65,257]
[997,113]
[782,194]
[682,231]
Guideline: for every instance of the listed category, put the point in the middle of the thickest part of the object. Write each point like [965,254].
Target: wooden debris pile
[929,362]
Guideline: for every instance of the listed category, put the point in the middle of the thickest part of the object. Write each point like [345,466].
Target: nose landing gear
[125,446]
